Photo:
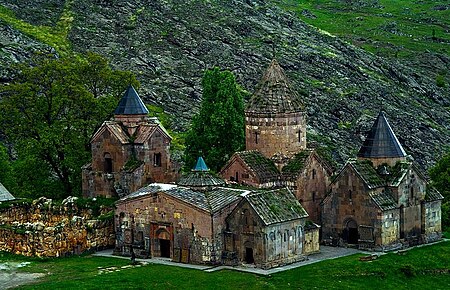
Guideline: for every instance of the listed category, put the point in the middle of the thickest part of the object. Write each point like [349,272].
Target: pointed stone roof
[381,141]
[274,93]
[200,176]
[4,194]
[131,104]
[201,165]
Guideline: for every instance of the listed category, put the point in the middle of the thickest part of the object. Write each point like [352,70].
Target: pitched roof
[383,200]
[131,104]
[297,163]
[274,93]
[5,195]
[367,173]
[115,129]
[210,201]
[276,206]
[261,166]
[432,194]
[381,141]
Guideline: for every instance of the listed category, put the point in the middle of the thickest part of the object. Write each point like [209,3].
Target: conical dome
[131,104]
[200,176]
[274,93]
[381,141]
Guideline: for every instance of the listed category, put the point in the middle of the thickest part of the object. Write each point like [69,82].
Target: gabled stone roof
[432,194]
[115,129]
[211,201]
[297,163]
[274,94]
[381,141]
[5,195]
[131,104]
[261,166]
[367,173]
[383,200]
[276,206]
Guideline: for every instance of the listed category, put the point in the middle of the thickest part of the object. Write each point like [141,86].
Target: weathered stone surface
[48,230]
[168,46]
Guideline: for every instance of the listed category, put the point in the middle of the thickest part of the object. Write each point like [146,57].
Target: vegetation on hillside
[419,268]
[394,28]
[49,114]
[440,176]
[217,130]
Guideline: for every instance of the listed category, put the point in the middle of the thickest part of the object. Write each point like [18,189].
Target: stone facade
[162,221]
[127,153]
[45,229]
[383,216]
[282,133]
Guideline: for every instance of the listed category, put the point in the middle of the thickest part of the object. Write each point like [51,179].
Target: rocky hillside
[169,43]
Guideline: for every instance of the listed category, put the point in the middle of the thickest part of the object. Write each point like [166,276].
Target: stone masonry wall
[272,134]
[46,229]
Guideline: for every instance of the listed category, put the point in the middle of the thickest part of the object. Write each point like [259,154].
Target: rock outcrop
[169,43]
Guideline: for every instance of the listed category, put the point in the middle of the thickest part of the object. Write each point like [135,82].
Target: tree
[49,114]
[440,177]
[217,130]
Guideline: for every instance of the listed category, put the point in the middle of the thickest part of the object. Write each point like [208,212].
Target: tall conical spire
[131,104]
[381,141]
[274,93]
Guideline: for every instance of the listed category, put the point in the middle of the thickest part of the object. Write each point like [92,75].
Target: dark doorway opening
[165,248]
[249,256]
[351,232]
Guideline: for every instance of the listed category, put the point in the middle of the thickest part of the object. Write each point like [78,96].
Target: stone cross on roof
[131,104]
[274,93]
[381,141]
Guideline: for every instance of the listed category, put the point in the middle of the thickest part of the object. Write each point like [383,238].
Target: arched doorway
[350,231]
[164,243]
[249,258]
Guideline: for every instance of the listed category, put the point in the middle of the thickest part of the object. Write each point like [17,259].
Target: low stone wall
[46,229]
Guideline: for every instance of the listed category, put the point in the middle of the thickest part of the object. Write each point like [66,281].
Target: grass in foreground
[426,267]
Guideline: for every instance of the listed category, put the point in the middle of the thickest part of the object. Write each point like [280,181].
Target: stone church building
[381,199]
[128,152]
[285,199]
[276,153]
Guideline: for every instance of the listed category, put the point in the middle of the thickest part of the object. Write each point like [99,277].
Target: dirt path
[10,276]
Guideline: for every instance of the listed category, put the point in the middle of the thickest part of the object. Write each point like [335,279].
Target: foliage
[440,177]
[56,37]
[385,27]
[217,130]
[430,265]
[50,112]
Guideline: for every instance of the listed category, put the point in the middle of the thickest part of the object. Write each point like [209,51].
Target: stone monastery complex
[293,199]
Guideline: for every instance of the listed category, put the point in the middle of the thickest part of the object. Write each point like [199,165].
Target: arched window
[108,165]
[313,174]
[314,196]
[299,136]
[350,194]
[157,159]
[256,137]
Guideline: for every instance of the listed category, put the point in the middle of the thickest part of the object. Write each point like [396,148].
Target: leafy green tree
[217,130]
[440,177]
[50,112]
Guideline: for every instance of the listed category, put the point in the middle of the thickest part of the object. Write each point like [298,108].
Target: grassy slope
[348,272]
[397,27]
[55,37]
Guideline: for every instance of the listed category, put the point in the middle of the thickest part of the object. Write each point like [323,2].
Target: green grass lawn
[420,268]
[393,28]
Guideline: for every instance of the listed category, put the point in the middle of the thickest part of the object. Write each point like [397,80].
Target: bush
[408,270]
